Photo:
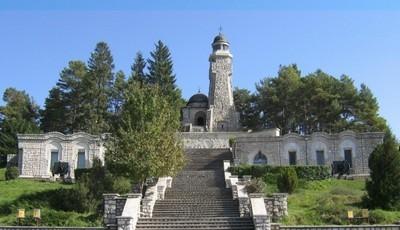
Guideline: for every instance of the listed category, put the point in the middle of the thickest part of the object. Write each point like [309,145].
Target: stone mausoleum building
[38,152]
[209,122]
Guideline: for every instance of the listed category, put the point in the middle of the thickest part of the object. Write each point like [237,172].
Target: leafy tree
[137,69]
[145,143]
[245,105]
[384,186]
[19,115]
[316,102]
[98,89]
[277,98]
[53,116]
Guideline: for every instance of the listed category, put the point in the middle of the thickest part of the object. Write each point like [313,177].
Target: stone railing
[336,227]
[249,204]
[259,212]
[122,211]
[153,194]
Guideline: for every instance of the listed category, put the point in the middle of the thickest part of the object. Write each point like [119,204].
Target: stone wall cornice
[57,135]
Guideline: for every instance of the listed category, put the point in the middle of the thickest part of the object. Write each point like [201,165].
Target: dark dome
[198,98]
[220,38]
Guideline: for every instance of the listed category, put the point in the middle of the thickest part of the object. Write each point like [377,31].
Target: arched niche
[53,152]
[319,152]
[260,158]
[81,154]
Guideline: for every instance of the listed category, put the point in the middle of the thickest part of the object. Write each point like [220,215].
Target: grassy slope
[327,202]
[15,194]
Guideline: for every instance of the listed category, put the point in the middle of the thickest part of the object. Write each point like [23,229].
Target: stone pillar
[110,209]
[130,213]
[259,213]
[244,206]
[244,202]
[261,222]
[169,182]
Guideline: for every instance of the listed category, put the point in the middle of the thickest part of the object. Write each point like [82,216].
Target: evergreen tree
[72,90]
[19,115]
[145,143]
[137,69]
[367,108]
[118,91]
[161,74]
[98,90]
[277,98]
[384,186]
[53,116]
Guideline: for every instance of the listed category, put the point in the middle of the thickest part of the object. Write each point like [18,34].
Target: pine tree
[161,73]
[72,90]
[367,108]
[384,186]
[118,90]
[137,69]
[53,116]
[98,90]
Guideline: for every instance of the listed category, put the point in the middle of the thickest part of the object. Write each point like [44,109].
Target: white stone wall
[218,140]
[277,148]
[35,152]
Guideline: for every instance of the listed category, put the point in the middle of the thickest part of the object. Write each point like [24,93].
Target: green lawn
[30,194]
[327,202]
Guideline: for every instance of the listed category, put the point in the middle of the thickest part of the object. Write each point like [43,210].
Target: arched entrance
[200,119]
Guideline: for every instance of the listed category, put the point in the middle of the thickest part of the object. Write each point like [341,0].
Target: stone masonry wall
[277,148]
[196,140]
[276,206]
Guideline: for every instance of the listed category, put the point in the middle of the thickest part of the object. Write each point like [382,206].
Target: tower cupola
[220,43]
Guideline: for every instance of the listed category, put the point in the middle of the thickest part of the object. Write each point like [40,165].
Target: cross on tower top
[220,29]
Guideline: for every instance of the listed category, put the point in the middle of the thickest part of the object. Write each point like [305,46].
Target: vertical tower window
[292,158]
[81,159]
[320,157]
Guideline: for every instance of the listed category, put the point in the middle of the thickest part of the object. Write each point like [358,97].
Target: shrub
[11,173]
[121,185]
[256,185]
[287,181]
[303,172]
[79,172]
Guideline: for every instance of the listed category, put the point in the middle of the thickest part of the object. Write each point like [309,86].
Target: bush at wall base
[11,173]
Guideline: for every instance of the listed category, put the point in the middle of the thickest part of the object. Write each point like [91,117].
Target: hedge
[303,172]
[80,172]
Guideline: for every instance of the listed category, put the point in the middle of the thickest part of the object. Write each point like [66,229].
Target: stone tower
[221,115]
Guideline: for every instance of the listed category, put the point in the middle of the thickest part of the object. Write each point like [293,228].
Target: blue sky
[357,38]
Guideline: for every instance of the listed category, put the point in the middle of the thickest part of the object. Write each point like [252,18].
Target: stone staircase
[198,198]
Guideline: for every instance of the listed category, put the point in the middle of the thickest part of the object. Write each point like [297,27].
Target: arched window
[260,158]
